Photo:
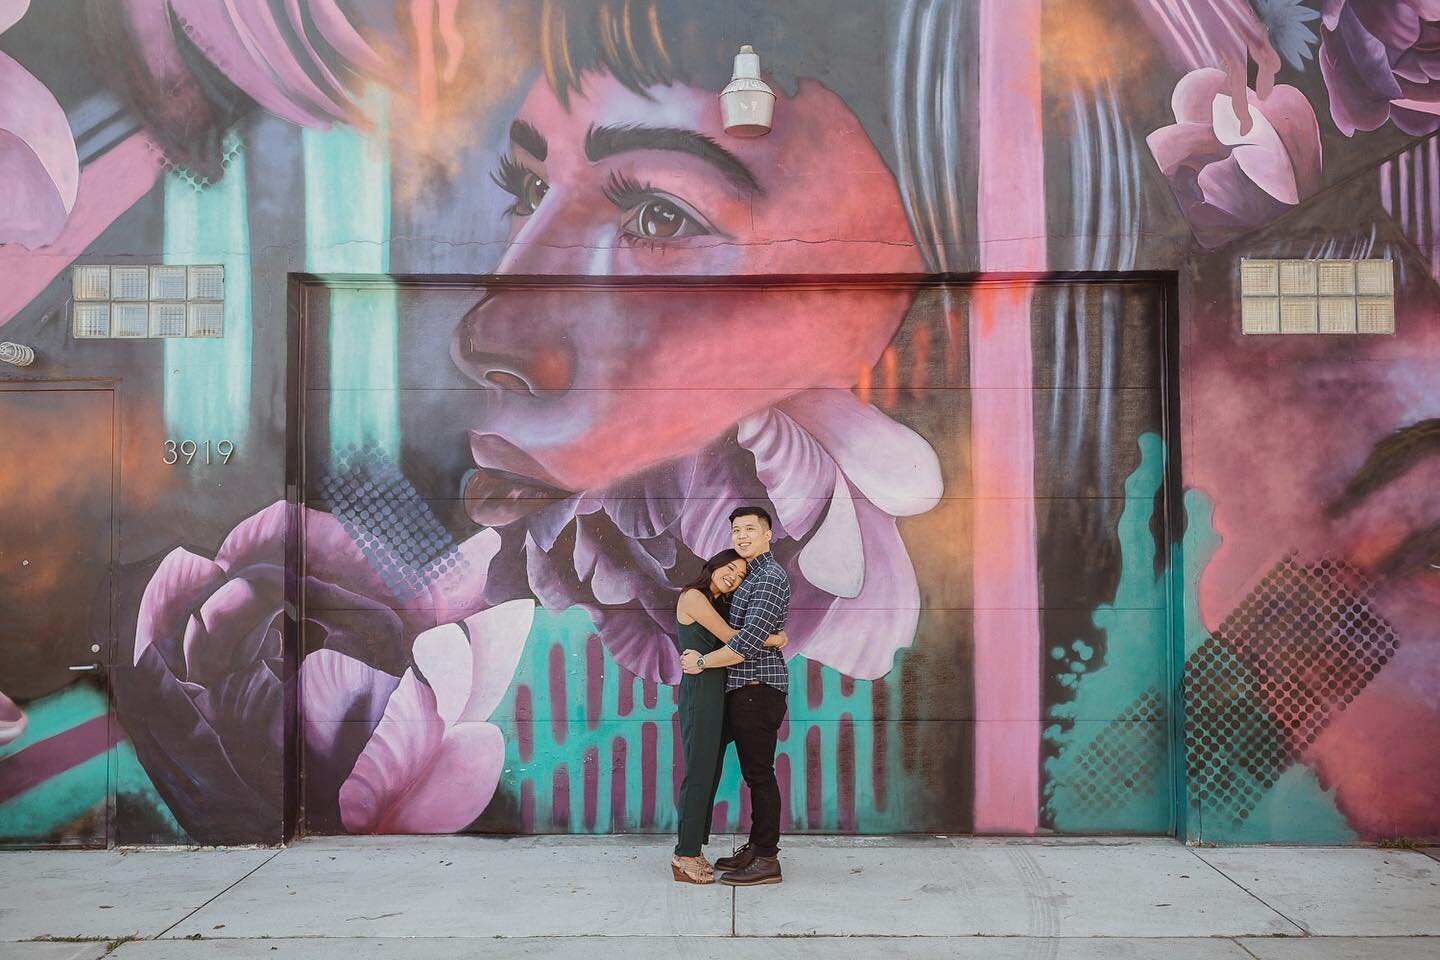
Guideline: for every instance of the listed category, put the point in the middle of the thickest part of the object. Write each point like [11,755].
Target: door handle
[84,667]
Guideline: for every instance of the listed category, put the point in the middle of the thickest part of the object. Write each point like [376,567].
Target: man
[754,695]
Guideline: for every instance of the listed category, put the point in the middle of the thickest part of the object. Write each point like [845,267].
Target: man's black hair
[760,512]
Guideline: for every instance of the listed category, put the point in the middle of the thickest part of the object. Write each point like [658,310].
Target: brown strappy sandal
[691,870]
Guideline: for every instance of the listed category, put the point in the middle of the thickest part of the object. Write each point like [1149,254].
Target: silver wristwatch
[700,661]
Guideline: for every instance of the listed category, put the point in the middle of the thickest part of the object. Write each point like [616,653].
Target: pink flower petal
[10,13]
[892,465]
[337,30]
[497,638]
[259,538]
[418,775]
[1259,153]
[459,591]
[12,720]
[445,658]
[179,585]
[470,676]
[239,613]
[1294,121]
[331,684]
[37,157]
[224,42]
[1184,143]
[1193,100]
[834,559]
[797,472]
[859,636]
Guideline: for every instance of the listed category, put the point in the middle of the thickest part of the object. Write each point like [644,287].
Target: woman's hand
[777,641]
[687,661]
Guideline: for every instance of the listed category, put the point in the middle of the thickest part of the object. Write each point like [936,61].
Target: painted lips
[507,483]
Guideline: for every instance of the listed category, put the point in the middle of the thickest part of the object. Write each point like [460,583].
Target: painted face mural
[509,324]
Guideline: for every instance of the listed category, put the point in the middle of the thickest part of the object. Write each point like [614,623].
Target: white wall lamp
[747,103]
[18,354]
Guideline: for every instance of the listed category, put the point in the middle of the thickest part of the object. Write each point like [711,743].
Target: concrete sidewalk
[598,898]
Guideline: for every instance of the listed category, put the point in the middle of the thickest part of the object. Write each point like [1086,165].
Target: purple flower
[39,166]
[204,700]
[1228,181]
[1381,61]
[270,52]
[837,472]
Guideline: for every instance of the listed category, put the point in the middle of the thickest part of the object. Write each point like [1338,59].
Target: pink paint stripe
[52,756]
[617,784]
[109,186]
[1011,223]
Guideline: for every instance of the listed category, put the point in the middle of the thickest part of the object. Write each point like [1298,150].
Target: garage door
[504,487]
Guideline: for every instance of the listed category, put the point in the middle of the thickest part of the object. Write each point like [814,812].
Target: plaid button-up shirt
[759,607]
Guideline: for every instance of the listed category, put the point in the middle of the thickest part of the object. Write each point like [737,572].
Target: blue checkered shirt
[758,608]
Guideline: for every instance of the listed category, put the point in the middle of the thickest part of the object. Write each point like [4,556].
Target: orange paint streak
[862,385]
[890,371]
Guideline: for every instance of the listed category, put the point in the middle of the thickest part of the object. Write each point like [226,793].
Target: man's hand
[777,641]
[688,661]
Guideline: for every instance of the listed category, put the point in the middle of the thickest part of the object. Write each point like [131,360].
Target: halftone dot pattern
[1300,647]
[1125,758]
[395,529]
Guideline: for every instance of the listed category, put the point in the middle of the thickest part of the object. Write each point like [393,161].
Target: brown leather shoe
[738,860]
[761,870]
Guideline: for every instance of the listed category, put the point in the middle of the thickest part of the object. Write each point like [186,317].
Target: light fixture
[747,103]
[18,354]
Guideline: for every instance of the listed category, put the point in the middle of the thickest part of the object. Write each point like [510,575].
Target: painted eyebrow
[529,139]
[1389,460]
[1420,548]
[604,142]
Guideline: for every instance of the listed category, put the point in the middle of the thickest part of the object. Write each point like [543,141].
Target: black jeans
[753,714]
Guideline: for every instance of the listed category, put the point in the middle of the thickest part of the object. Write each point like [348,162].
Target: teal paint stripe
[57,713]
[571,630]
[1103,692]
[347,230]
[46,807]
[207,381]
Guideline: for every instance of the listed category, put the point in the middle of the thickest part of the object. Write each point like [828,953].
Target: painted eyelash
[626,193]
[510,176]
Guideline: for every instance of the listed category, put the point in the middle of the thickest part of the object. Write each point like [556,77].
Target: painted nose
[496,346]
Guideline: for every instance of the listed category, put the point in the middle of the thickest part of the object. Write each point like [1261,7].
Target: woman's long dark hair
[702,582]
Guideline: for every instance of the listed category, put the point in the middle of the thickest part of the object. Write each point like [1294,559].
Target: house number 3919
[190,450]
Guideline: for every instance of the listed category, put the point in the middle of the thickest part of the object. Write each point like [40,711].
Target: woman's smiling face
[727,578]
[593,384]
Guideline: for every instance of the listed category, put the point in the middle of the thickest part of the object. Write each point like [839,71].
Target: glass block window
[129,283]
[167,320]
[129,320]
[1317,296]
[206,320]
[167,283]
[134,302]
[93,319]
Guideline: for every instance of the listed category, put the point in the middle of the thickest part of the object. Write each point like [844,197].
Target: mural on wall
[1005,554]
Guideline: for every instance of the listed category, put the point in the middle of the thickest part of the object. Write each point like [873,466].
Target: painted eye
[523,184]
[659,219]
[532,191]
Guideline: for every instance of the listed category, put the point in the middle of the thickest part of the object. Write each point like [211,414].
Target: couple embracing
[730,628]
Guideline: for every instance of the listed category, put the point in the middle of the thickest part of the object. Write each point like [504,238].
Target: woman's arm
[697,606]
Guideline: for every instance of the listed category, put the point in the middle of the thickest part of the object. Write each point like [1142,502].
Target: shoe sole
[750,883]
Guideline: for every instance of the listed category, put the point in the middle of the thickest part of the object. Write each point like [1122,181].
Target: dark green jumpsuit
[702,710]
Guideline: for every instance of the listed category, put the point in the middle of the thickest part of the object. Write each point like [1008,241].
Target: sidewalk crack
[247,876]
[1252,894]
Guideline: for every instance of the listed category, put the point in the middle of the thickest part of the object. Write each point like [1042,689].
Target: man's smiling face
[750,535]
[590,384]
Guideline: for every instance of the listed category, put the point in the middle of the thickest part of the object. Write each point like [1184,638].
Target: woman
[701,626]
